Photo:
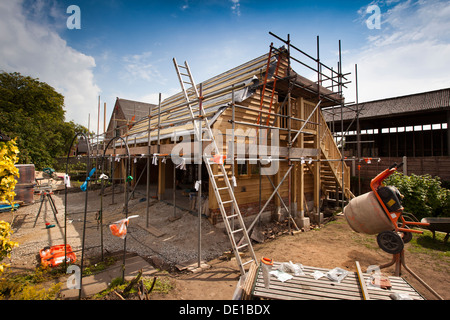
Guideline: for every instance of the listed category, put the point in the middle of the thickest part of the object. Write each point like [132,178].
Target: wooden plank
[154,231]
[362,282]
[306,287]
[249,280]
[316,288]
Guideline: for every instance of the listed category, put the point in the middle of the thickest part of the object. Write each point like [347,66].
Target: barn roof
[436,100]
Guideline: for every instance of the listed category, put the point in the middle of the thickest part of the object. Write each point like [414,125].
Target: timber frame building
[262,99]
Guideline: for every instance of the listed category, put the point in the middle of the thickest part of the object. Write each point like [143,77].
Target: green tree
[33,112]
[6,245]
[423,195]
[8,171]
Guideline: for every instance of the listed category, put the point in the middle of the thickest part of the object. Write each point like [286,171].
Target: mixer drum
[364,214]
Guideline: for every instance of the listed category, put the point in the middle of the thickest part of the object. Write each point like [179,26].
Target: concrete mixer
[380,212]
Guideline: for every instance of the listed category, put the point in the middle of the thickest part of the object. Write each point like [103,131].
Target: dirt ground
[172,242]
[333,245]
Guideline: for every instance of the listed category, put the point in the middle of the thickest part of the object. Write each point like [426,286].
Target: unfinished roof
[217,94]
[135,109]
[436,100]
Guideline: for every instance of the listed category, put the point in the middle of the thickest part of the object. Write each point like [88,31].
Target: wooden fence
[369,168]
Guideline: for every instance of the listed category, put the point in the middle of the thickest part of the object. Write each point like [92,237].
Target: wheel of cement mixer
[390,242]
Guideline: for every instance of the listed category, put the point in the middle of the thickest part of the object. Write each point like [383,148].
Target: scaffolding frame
[327,78]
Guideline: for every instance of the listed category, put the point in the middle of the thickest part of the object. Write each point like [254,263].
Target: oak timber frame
[309,160]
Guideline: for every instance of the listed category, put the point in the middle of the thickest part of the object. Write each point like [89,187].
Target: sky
[106,49]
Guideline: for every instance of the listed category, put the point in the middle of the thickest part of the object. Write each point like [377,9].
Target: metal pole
[173,190]
[233,115]
[358,129]
[98,132]
[88,165]
[159,138]
[148,165]
[199,196]
[126,211]
[102,192]
[289,163]
[114,151]
[342,127]
[402,259]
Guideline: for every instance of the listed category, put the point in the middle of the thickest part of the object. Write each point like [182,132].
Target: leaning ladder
[198,116]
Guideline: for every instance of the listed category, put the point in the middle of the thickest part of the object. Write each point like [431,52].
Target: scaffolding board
[306,287]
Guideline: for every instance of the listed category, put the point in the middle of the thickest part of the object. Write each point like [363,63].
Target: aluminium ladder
[198,115]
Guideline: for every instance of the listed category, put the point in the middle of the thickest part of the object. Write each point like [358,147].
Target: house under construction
[250,140]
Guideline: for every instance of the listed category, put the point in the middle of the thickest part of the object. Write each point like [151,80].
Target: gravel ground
[178,244]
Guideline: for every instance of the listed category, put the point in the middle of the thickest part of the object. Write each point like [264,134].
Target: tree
[8,157]
[424,195]
[6,245]
[33,112]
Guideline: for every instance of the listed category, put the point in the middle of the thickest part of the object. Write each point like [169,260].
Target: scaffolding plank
[306,287]
[154,231]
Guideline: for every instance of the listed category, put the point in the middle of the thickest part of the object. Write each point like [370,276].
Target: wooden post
[161,179]
[212,202]
[405,165]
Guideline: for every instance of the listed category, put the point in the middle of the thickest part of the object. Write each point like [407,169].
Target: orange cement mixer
[380,212]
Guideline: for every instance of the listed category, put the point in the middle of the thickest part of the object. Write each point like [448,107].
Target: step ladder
[198,115]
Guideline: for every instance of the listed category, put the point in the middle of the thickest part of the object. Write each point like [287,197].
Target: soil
[172,242]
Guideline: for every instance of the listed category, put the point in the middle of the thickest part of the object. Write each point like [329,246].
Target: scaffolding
[147,138]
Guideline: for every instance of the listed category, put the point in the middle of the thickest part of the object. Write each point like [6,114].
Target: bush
[6,245]
[8,158]
[31,285]
[424,195]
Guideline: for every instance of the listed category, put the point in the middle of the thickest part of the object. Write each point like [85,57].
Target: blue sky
[125,48]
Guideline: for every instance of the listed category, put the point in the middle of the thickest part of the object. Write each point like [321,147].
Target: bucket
[364,214]
[24,188]
[27,173]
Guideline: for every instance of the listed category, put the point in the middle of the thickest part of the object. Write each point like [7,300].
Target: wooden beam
[161,179]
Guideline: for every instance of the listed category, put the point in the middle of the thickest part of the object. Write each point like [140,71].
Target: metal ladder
[198,116]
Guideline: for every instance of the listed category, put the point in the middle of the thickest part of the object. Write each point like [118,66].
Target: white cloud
[236,7]
[409,54]
[35,49]
[140,67]
[185,6]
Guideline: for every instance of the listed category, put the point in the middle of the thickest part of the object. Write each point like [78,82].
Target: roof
[436,100]
[216,99]
[135,109]
[217,96]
